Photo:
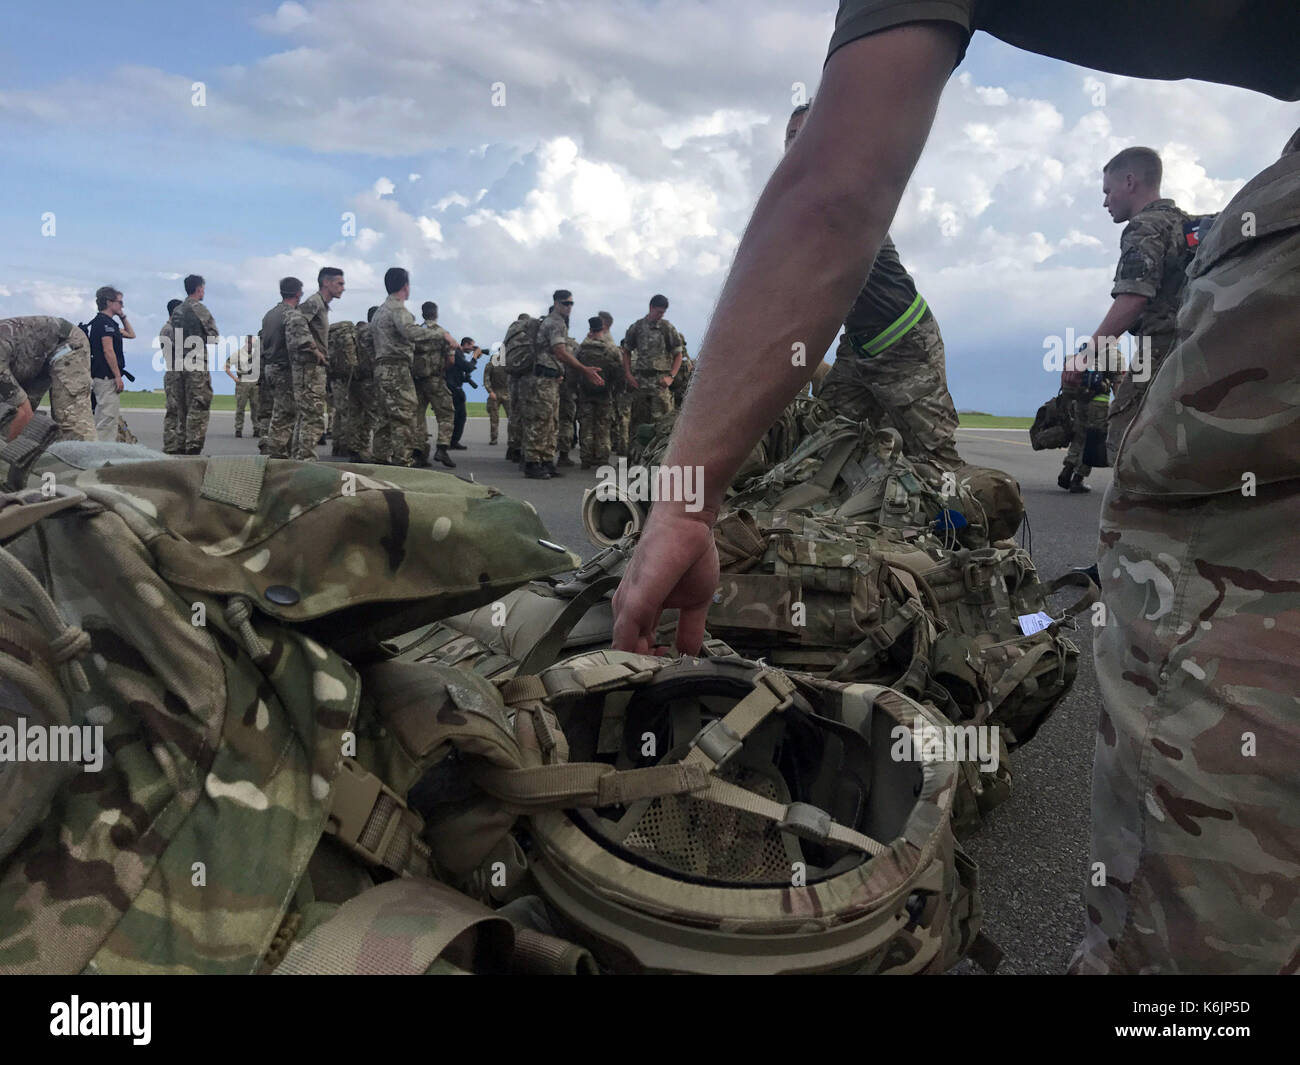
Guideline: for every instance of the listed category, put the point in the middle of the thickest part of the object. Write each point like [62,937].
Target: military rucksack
[342,342]
[521,346]
[1053,424]
[206,619]
[429,354]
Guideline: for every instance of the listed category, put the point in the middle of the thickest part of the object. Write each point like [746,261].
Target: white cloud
[384,187]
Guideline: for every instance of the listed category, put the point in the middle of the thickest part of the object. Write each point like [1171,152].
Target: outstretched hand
[675,566]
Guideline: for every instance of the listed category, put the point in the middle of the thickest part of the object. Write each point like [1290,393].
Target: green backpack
[521,346]
[342,341]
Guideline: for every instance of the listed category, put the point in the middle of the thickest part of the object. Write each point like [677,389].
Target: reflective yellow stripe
[1103,398]
[896,330]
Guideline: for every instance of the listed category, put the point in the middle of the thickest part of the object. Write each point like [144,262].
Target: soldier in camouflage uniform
[683,379]
[39,353]
[1089,405]
[433,354]
[188,382]
[394,333]
[595,402]
[889,365]
[306,333]
[1149,279]
[240,368]
[518,384]
[566,425]
[1195,853]
[362,409]
[652,355]
[498,389]
[542,398]
[262,395]
[277,373]
[343,364]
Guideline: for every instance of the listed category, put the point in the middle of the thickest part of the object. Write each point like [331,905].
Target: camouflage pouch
[342,341]
[1053,425]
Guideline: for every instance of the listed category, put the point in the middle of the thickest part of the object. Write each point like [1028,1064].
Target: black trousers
[458,423]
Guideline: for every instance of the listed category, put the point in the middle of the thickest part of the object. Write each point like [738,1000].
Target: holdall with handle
[1053,424]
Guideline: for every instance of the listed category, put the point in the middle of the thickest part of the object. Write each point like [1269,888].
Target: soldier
[652,355]
[242,369]
[39,353]
[542,402]
[188,382]
[683,379]
[497,382]
[1088,390]
[306,333]
[620,401]
[595,402]
[518,385]
[433,356]
[362,406]
[1195,856]
[262,396]
[889,365]
[394,333]
[342,365]
[566,428]
[277,442]
[1149,279]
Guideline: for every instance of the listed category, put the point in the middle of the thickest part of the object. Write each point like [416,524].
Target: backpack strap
[21,452]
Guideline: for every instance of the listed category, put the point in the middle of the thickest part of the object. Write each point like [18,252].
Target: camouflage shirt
[554,330]
[653,345]
[395,332]
[1153,260]
[275,351]
[497,378]
[191,319]
[25,345]
[306,332]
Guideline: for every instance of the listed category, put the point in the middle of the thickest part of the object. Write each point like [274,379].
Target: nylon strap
[569,784]
[371,820]
[1091,592]
[1012,678]
[738,798]
[722,738]
[892,333]
[522,689]
[22,510]
[877,641]
[547,649]
[23,450]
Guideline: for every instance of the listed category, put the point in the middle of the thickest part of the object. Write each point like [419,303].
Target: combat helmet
[749,822]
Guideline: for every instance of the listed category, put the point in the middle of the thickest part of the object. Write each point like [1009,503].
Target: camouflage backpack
[429,357]
[342,341]
[194,629]
[521,346]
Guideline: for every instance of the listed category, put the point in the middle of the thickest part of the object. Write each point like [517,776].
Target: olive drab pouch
[342,342]
[1053,424]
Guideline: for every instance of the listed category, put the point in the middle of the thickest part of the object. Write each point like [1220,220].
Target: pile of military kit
[348,721]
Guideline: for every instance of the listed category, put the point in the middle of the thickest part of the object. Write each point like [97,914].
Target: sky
[505,148]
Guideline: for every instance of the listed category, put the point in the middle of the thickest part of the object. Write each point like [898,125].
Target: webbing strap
[892,333]
[1012,678]
[569,784]
[1090,595]
[523,689]
[878,640]
[545,651]
[803,820]
[373,822]
[720,740]
[22,510]
[24,449]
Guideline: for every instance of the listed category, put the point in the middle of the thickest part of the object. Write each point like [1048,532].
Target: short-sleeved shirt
[241,364]
[553,330]
[314,314]
[886,297]
[1153,258]
[104,326]
[653,345]
[1250,43]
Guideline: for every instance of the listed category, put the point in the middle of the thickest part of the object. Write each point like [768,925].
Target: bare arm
[561,352]
[1123,313]
[127,332]
[815,231]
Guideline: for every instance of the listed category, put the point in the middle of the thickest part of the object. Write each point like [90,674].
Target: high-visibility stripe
[896,330]
[1103,398]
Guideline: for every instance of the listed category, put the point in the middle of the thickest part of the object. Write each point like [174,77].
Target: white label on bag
[1032,623]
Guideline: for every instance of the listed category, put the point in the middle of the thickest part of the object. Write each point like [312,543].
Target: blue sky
[625,161]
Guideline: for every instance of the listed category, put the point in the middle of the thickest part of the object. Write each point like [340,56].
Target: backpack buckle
[366,815]
[717,743]
[806,821]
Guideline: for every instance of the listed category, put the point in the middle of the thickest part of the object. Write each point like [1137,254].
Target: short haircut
[596,323]
[429,309]
[172,305]
[523,316]
[105,295]
[326,272]
[371,313]
[467,340]
[607,318]
[1143,163]
[193,283]
[561,294]
[659,300]
[290,287]
[395,279]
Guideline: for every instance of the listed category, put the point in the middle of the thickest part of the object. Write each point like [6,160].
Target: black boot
[239,433]
[537,471]
[1077,486]
[512,454]
[457,447]
[564,459]
[440,454]
[550,468]
[1063,478]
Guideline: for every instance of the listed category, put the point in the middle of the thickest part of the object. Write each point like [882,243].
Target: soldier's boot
[1077,485]
[537,471]
[1063,478]
[441,455]
[239,433]
[564,459]
[457,447]
[512,454]
[550,468]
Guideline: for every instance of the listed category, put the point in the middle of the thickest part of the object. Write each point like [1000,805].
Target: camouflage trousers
[905,387]
[245,396]
[515,413]
[595,416]
[67,379]
[1088,412]
[494,419]
[309,400]
[1129,393]
[361,417]
[566,423]
[277,441]
[541,408]
[619,426]
[262,404]
[395,441]
[651,401]
[1196,798]
[336,392]
[432,393]
[189,399]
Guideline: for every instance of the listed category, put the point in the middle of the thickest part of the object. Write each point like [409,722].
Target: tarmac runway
[1033,850]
